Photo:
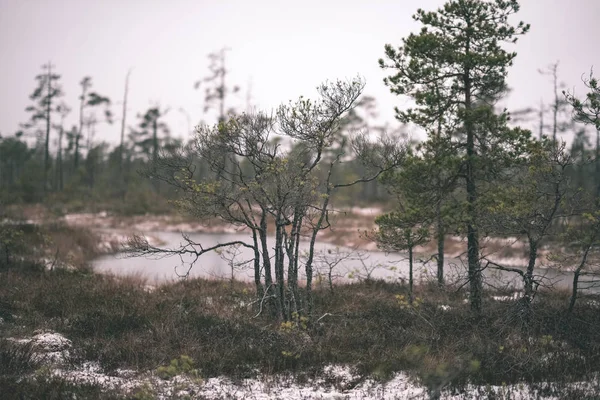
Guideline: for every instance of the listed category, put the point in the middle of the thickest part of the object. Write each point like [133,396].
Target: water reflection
[343,264]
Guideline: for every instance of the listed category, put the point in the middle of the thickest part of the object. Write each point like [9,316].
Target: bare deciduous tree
[531,206]
[273,176]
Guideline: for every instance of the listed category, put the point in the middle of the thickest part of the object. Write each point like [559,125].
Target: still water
[353,266]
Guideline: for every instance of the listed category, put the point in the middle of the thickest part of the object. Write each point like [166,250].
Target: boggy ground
[192,332]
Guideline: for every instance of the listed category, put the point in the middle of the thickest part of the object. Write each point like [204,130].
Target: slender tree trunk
[262,232]
[155,149]
[597,165]
[410,274]
[260,292]
[438,208]
[311,250]
[474,272]
[79,134]
[556,102]
[155,140]
[528,280]
[576,275]
[222,93]
[472,232]
[573,298]
[88,142]
[76,155]
[92,163]
[59,162]
[330,276]
[297,299]
[222,88]
[48,122]
[292,266]
[440,242]
[279,266]
[123,121]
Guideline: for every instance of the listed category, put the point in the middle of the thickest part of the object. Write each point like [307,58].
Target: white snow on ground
[284,387]
[513,297]
[593,303]
[341,374]
[280,388]
[48,347]
[336,381]
[51,342]
[91,373]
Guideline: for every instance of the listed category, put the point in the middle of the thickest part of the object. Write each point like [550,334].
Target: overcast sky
[283,49]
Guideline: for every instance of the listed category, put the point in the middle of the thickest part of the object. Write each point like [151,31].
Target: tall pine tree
[453,69]
[44,97]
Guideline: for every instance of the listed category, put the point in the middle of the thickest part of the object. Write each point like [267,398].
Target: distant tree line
[47,161]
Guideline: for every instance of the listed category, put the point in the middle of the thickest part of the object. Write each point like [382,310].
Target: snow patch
[46,342]
[341,374]
[346,385]
[590,303]
[90,373]
[513,297]
[49,348]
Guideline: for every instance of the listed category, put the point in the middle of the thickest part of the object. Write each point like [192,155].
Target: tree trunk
[155,140]
[311,249]
[222,88]
[576,277]
[472,233]
[92,163]
[573,298]
[123,121]
[79,133]
[440,240]
[260,291]
[410,274]
[556,103]
[296,254]
[291,247]
[59,163]
[474,272]
[597,165]
[155,149]
[48,121]
[528,277]
[279,268]
[262,232]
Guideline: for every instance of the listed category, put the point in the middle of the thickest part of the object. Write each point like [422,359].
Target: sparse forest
[497,226]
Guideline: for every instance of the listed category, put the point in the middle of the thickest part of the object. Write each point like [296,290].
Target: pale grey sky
[285,48]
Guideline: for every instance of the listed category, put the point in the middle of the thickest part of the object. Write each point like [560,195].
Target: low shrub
[122,324]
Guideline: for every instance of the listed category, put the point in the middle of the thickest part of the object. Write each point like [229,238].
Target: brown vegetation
[369,325]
